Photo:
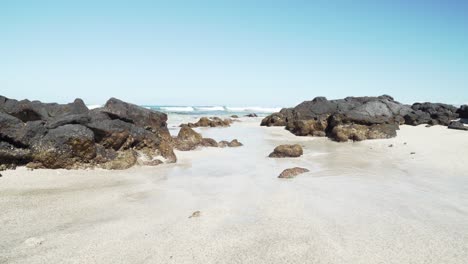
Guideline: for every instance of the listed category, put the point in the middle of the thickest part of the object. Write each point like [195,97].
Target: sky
[235,53]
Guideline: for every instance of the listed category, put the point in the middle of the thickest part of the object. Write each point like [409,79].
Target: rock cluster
[210,122]
[188,139]
[359,118]
[116,136]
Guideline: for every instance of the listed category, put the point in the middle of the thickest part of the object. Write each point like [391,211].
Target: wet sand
[361,202]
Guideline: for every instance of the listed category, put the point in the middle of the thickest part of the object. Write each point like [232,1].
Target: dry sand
[361,202]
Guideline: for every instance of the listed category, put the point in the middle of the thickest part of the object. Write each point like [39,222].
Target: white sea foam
[209,108]
[93,106]
[177,108]
[255,109]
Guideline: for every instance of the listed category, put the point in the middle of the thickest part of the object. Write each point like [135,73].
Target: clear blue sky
[266,53]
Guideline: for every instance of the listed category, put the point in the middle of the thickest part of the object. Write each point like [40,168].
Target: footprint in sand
[34,241]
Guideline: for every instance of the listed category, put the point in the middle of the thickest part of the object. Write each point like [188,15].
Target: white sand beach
[361,202]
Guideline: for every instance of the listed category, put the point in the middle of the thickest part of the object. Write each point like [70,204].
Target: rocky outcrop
[116,136]
[287,151]
[251,115]
[358,118]
[292,172]
[210,122]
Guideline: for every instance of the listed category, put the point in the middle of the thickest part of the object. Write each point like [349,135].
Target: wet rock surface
[463,111]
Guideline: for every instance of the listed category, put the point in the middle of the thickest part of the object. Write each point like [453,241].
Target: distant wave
[209,108]
[205,109]
[254,109]
[93,106]
[177,108]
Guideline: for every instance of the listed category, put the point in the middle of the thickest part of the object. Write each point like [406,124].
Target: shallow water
[361,203]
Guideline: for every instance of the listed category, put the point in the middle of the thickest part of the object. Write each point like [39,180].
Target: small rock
[292,172]
[1,175]
[404,143]
[251,115]
[234,143]
[234,116]
[283,151]
[428,125]
[412,153]
[195,214]
[390,146]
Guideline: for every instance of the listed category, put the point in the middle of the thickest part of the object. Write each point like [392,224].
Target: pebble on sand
[195,214]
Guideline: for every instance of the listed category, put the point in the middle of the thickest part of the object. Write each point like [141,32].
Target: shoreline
[360,202]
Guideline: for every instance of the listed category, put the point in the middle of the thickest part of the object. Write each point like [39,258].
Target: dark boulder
[139,116]
[457,125]
[431,113]
[73,119]
[251,115]
[418,117]
[463,111]
[26,110]
[67,147]
[19,134]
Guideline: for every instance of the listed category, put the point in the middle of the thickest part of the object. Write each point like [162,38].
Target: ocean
[184,114]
